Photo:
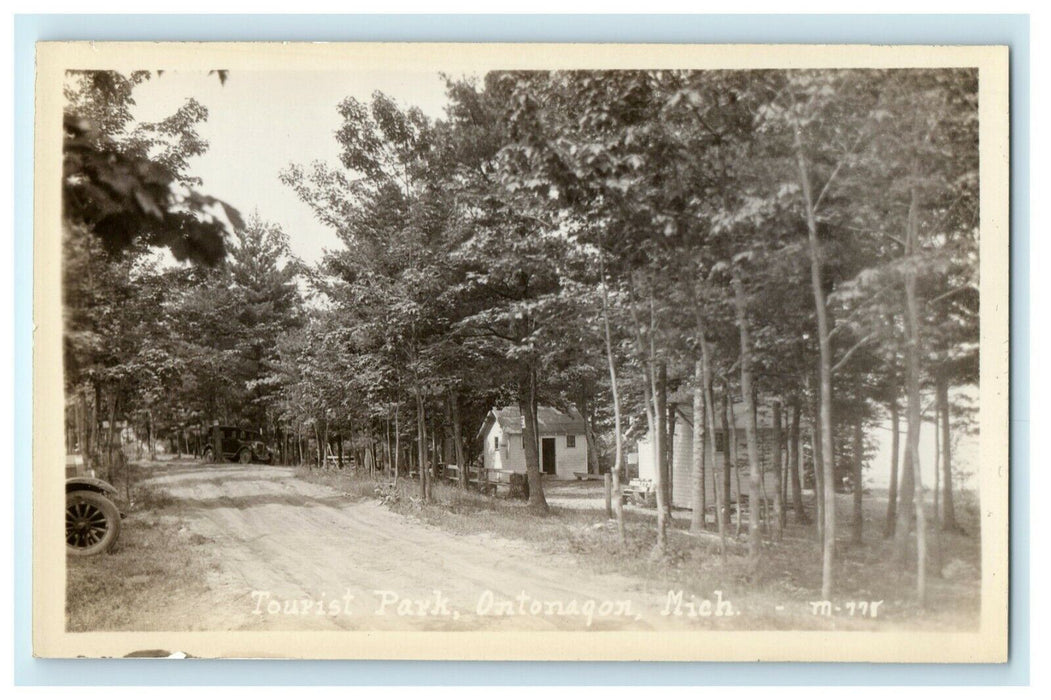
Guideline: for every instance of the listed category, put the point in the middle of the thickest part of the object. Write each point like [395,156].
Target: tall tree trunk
[764,499]
[704,410]
[709,416]
[794,462]
[731,418]
[421,447]
[82,427]
[397,442]
[895,450]
[859,458]
[436,451]
[699,500]
[324,453]
[906,510]
[386,446]
[948,506]
[912,387]
[727,421]
[751,430]
[152,437]
[527,405]
[618,437]
[786,426]
[95,449]
[654,418]
[937,504]
[779,507]
[373,450]
[824,372]
[669,450]
[817,466]
[317,447]
[659,386]
[461,463]
[937,468]
[447,447]
[661,409]
[109,437]
[583,405]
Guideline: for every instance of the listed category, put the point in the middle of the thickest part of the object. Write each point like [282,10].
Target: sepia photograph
[520,352]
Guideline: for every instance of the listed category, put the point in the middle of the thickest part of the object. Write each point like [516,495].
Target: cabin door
[547,453]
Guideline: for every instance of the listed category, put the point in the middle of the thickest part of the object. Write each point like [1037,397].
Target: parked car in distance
[224,443]
[92,516]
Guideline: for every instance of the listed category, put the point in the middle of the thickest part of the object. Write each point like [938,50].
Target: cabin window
[720,441]
[571,441]
[496,442]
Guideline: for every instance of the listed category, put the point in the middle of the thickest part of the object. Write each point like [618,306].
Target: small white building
[563,445]
[682,454]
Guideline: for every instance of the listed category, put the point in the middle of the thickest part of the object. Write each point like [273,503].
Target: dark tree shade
[121,196]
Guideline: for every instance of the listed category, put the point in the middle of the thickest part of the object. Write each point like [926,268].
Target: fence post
[607,482]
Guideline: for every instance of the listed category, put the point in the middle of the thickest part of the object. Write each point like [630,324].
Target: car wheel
[208,456]
[245,457]
[92,523]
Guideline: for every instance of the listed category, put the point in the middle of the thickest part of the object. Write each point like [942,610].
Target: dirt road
[294,555]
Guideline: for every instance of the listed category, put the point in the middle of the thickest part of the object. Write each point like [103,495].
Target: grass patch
[155,561]
[775,594]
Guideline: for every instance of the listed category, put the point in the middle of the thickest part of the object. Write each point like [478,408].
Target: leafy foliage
[776,227]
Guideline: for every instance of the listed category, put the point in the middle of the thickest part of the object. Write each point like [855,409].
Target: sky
[261,122]
[964,457]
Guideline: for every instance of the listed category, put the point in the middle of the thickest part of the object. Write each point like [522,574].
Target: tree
[125,189]
[122,182]
[388,279]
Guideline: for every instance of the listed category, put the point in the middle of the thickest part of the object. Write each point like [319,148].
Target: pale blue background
[1012,30]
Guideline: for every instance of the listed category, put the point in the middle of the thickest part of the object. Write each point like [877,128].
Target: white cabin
[682,454]
[563,444]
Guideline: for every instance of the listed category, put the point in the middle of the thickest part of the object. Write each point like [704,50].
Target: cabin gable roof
[550,421]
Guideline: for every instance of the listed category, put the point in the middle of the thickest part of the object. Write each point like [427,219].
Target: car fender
[88,483]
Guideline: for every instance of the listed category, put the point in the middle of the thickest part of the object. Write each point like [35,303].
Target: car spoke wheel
[92,523]
[245,457]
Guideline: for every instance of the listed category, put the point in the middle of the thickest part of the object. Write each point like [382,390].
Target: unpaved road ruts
[288,548]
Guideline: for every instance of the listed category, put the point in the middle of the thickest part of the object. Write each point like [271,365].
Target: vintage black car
[92,516]
[228,443]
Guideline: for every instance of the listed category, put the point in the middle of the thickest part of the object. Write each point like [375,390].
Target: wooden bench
[490,481]
[640,492]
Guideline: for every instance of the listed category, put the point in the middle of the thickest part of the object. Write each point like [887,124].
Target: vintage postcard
[521,351]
